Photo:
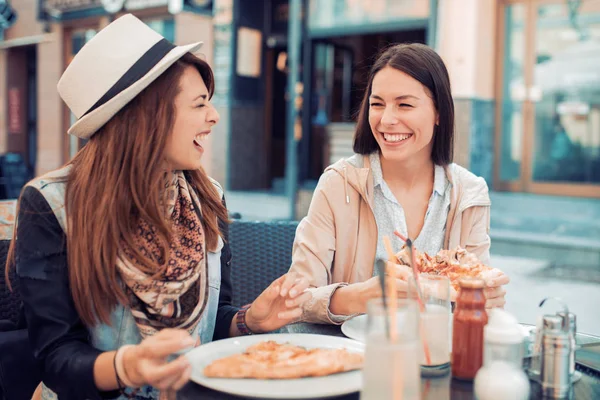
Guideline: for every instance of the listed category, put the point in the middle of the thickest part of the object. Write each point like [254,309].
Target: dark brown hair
[426,66]
[117,178]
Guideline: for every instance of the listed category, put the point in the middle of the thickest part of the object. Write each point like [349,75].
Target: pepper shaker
[556,353]
[570,320]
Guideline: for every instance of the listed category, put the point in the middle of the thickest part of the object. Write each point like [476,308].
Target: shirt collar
[376,168]
[440,180]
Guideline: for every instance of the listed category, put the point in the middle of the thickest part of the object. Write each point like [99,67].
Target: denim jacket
[65,348]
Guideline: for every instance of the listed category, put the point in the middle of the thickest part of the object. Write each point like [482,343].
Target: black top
[59,339]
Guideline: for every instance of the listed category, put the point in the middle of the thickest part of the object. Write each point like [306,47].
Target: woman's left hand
[279,304]
[495,292]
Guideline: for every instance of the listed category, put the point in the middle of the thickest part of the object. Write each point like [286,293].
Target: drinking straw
[393,290]
[380,265]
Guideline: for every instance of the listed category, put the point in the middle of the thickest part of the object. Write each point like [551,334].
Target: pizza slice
[272,360]
[455,264]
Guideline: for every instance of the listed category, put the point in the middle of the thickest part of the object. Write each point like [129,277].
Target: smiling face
[402,116]
[194,119]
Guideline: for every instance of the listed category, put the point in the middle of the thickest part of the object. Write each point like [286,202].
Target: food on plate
[454,264]
[272,360]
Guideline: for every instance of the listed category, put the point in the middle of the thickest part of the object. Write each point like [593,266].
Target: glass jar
[391,369]
[470,317]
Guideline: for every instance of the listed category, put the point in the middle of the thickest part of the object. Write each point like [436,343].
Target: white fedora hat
[112,68]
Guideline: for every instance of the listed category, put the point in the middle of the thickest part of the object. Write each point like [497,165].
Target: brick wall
[216,165]
[28,31]
[27,23]
[190,28]
[3,103]
[462,129]
[51,133]
[222,52]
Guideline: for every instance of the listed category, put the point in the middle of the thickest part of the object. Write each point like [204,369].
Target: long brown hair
[426,66]
[117,178]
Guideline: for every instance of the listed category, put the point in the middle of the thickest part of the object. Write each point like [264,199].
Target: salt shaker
[502,376]
[556,353]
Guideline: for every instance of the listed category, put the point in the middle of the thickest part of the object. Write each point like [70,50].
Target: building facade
[37,48]
[524,77]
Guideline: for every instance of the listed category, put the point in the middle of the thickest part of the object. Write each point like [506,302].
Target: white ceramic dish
[303,388]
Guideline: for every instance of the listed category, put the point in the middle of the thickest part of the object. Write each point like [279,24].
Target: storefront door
[548,117]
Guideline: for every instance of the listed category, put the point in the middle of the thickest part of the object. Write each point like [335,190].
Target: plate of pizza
[282,366]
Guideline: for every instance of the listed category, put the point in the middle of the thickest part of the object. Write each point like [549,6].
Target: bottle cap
[503,327]
[471,283]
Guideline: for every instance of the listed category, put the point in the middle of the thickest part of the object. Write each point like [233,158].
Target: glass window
[513,93]
[339,13]
[567,78]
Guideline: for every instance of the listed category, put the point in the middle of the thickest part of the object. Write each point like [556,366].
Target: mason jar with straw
[391,368]
[434,321]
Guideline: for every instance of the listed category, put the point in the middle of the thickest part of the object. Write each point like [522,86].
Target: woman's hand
[494,291]
[352,299]
[146,363]
[279,304]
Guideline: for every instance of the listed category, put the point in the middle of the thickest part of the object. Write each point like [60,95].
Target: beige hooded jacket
[336,242]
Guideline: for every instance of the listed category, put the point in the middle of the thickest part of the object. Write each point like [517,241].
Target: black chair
[19,371]
[13,175]
[10,301]
[262,252]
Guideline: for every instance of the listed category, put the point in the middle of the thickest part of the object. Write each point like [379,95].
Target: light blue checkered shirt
[389,214]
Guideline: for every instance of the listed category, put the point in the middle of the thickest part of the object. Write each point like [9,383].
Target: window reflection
[567,116]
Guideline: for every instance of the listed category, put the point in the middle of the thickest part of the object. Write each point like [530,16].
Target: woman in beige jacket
[402,177]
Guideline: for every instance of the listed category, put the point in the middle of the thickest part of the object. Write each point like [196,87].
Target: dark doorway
[340,68]
[22,104]
[277,73]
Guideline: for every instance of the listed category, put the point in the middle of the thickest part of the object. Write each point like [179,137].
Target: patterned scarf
[177,298]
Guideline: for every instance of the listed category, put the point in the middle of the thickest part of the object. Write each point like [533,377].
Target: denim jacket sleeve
[59,339]
[226,310]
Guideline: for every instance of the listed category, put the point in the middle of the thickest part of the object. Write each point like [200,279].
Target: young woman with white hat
[122,254]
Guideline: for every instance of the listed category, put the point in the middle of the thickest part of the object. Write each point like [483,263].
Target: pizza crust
[272,360]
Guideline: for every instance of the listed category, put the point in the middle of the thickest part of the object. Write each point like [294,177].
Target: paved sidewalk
[564,230]
[527,288]
[258,206]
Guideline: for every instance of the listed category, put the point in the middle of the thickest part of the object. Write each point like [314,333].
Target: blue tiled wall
[481,160]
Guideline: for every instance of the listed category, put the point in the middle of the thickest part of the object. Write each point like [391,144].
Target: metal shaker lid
[570,321]
[552,323]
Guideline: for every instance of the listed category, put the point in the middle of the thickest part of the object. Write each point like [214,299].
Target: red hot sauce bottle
[470,317]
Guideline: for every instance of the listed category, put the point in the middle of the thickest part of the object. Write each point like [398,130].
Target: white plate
[356,328]
[303,388]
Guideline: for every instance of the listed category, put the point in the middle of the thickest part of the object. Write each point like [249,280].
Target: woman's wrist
[124,360]
[345,300]
[247,324]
